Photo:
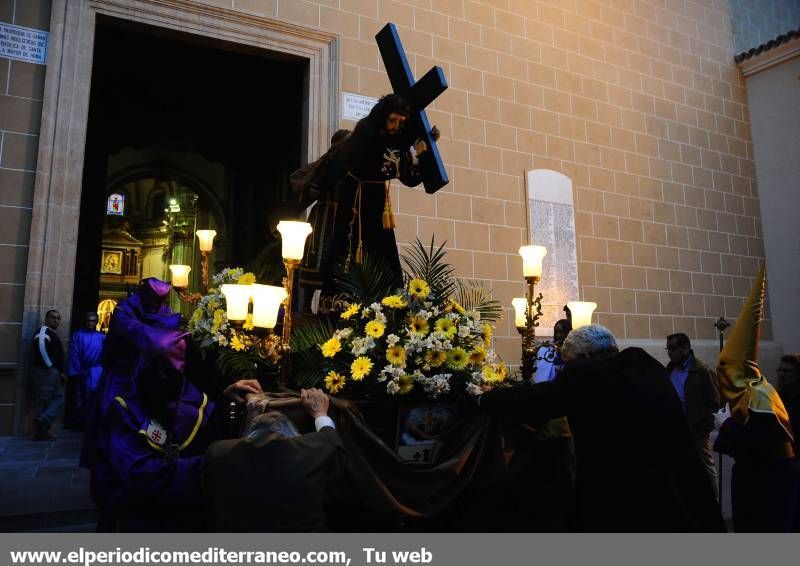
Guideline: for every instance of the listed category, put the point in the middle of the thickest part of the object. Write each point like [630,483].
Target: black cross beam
[418,94]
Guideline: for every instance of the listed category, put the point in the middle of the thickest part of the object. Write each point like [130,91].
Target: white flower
[474,390]
[221,340]
[380,317]
[392,339]
[392,388]
[435,311]
[476,316]
[463,331]
[343,334]
[376,307]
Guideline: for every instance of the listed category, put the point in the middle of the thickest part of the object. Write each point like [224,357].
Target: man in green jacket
[696,385]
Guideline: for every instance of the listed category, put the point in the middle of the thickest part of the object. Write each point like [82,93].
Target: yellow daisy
[247,279]
[419,289]
[435,358]
[236,344]
[406,383]
[419,326]
[374,328]
[396,355]
[493,374]
[360,368]
[351,310]
[477,356]
[331,347]
[446,326]
[334,382]
[457,358]
[394,302]
[248,322]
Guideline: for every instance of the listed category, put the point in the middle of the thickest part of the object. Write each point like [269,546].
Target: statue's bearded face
[395,123]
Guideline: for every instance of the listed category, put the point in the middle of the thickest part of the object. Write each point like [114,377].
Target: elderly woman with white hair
[636,467]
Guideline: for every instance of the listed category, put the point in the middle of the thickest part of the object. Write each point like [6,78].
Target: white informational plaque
[23,44]
[355,106]
[551,223]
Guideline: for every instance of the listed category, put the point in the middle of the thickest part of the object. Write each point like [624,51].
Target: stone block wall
[21,93]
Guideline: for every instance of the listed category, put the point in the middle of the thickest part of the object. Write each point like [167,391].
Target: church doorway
[184,132]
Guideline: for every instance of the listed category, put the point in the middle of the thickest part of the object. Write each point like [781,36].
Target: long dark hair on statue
[369,127]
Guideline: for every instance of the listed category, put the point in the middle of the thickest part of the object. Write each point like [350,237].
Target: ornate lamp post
[180,273]
[293,243]
[206,241]
[532,257]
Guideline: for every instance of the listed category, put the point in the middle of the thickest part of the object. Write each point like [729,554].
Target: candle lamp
[206,243]
[180,282]
[293,242]
[532,257]
[581,313]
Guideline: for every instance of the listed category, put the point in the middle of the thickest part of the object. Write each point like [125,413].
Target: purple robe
[85,351]
[141,324]
[135,484]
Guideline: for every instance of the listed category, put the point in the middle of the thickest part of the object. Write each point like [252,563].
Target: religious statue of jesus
[351,186]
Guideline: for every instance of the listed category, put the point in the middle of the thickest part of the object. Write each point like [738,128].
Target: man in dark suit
[697,388]
[275,479]
[636,467]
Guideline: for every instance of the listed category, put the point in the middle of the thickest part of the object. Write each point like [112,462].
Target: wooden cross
[418,94]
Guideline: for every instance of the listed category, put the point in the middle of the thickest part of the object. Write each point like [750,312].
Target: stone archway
[57,193]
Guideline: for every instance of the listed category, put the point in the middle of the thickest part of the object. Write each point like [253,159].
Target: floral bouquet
[430,339]
[237,351]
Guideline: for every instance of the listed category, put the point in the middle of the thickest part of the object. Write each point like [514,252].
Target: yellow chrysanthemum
[331,347]
[477,356]
[487,334]
[237,344]
[247,279]
[394,302]
[248,322]
[360,368]
[435,358]
[374,328]
[494,374]
[406,383]
[351,310]
[446,326]
[457,358]
[334,382]
[396,355]
[219,318]
[419,289]
[419,326]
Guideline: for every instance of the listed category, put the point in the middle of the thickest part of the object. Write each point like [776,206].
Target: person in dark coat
[275,480]
[636,467]
[697,388]
[47,372]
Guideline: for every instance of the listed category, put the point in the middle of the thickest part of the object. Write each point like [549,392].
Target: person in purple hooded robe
[138,322]
[150,446]
[83,370]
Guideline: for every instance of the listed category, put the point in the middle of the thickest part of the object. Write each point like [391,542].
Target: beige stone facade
[639,102]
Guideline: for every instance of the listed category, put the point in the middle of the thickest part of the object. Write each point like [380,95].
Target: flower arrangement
[238,350]
[418,341]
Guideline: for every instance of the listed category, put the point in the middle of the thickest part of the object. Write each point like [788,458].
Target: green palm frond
[428,264]
[307,334]
[475,296]
[241,365]
[368,282]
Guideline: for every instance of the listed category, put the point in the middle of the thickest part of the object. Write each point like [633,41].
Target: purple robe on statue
[141,323]
[147,476]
